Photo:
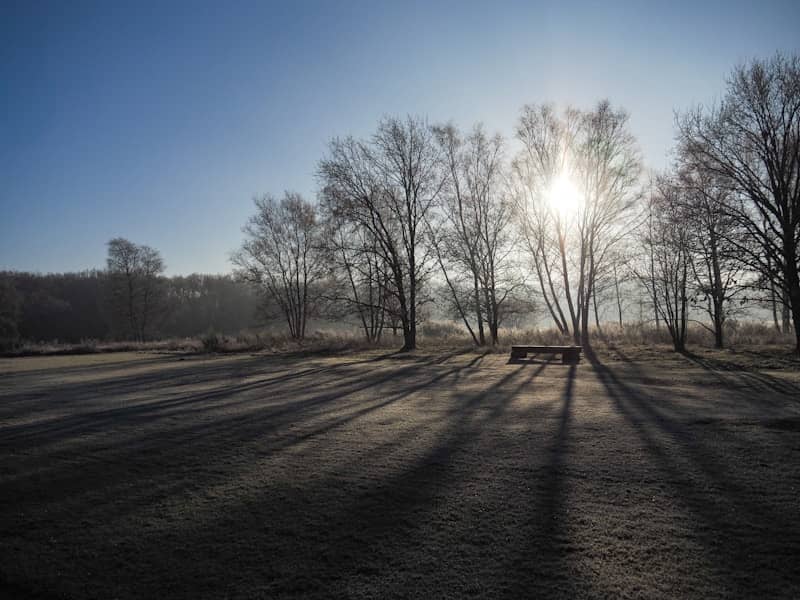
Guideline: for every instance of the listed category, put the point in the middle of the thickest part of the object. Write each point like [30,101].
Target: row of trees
[416,207]
[394,209]
[724,224]
[481,228]
[567,218]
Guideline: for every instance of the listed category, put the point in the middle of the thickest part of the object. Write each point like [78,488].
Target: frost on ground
[374,475]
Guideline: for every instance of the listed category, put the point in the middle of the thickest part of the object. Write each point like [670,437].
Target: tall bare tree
[389,186]
[609,167]
[281,254]
[547,139]
[359,283]
[596,153]
[134,271]
[751,140]
[475,242]
[716,268]
[665,268]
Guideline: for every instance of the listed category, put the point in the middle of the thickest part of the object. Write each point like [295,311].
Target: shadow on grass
[440,486]
[743,535]
[742,375]
[99,472]
[320,399]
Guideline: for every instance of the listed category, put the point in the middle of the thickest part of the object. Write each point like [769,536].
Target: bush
[211,342]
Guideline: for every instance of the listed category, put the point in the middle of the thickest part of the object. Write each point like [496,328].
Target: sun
[563,196]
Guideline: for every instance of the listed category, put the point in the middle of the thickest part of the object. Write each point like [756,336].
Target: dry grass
[375,474]
[433,335]
[321,341]
[98,347]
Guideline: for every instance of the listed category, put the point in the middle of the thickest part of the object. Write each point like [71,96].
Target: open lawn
[425,475]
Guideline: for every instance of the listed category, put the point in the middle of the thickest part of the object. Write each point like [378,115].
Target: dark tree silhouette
[389,186]
[751,140]
[134,274]
[281,254]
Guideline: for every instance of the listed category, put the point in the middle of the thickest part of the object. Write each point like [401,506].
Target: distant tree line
[71,307]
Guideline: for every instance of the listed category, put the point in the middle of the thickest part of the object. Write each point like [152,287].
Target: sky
[160,122]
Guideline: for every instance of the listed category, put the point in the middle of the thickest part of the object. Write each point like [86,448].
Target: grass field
[372,475]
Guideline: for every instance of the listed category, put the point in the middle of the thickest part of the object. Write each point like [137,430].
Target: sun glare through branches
[563,196]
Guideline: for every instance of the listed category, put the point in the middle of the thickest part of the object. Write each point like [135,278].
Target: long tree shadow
[107,364]
[735,377]
[270,426]
[729,372]
[542,567]
[395,516]
[692,467]
[137,471]
[365,530]
[166,401]
[22,386]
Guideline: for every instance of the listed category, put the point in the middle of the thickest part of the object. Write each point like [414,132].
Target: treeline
[71,307]
[561,221]
[722,226]
[563,214]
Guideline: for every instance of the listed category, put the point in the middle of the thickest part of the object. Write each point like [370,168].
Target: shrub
[442,330]
[211,342]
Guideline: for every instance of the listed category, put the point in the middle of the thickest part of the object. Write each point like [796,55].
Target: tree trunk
[495,322]
[794,305]
[410,341]
[596,315]
[718,327]
[619,299]
[683,300]
[786,327]
[478,312]
[792,279]
[773,294]
[559,323]
[588,292]
[575,325]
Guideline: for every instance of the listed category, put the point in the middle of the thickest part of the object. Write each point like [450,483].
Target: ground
[371,475]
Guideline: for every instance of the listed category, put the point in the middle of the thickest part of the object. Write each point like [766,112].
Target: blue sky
[159,122]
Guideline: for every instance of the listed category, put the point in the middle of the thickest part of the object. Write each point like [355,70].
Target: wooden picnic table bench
[570,355]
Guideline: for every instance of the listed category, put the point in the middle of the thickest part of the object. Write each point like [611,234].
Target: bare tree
[359,282]
[547,140]
[134,272]
[389,185]
[751,141]
[281,255]
[716,268]
[666,267]
[595,153]
[609,167]
[609,287]
[474,244]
